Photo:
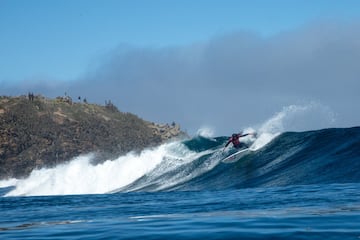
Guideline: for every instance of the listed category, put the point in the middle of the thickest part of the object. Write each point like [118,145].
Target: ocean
[291,185]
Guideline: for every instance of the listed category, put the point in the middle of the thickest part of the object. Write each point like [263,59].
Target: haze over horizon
[226,65]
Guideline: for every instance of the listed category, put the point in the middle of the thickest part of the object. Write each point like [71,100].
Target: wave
[278,158]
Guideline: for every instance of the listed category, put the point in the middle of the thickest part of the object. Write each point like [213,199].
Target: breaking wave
[284,153]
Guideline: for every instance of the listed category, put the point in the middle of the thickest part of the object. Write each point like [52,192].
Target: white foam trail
[184,176]
[171,164]
[81,177]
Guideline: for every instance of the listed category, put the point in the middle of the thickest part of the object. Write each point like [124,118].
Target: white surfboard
[236,156]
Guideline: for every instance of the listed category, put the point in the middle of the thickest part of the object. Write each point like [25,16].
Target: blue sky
[68,43]
[59,39]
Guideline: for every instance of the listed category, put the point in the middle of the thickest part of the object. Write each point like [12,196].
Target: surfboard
[236,156]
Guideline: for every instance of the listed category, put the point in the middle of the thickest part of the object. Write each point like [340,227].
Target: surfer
[235,140]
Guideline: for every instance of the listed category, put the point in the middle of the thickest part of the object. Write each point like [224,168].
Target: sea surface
[291,185]
[329,211]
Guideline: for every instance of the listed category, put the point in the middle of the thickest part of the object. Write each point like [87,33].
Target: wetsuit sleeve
[244,135]
[228,142]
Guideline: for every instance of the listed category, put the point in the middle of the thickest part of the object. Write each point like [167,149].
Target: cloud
[231,81]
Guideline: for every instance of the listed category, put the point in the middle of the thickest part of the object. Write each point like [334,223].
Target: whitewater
[80,176]
[300,180]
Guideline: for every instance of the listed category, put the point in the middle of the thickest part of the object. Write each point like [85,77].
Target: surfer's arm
[227,144]
[247,134]
[244,135]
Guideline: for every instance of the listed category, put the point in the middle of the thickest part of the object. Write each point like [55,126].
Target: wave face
[314,157]
[276,158]
[292,158]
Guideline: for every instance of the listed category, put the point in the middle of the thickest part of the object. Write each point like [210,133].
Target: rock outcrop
[38,132]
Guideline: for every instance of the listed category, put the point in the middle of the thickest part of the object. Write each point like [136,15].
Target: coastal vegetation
[40,132]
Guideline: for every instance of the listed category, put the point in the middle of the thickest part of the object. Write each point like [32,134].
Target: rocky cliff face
[37,132]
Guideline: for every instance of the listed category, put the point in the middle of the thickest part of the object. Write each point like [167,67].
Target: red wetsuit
[234,139]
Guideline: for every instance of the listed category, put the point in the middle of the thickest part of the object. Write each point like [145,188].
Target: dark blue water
[330,211]
[299,186]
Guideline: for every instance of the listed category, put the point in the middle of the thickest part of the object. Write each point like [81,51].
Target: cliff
[38,132]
